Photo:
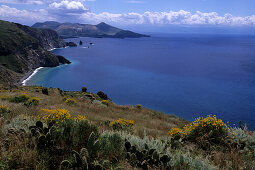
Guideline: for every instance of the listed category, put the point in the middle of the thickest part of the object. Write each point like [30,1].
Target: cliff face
[23,49]
[48,38]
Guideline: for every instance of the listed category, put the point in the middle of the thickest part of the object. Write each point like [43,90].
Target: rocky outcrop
[71,44]
[23,49]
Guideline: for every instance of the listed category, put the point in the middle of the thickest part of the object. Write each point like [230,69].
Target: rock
[71,44]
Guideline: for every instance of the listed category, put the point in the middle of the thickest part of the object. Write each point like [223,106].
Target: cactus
[151,151]
[139,155]
[84,152]
[133,149]
[155,155]
[133,159]
[41,142]
[164,159]
[127,146]
[66,164]
[93,145]
[39,124]
[77,158]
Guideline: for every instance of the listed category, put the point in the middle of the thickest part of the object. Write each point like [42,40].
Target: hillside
[47,128]
[23,49]
[68,30]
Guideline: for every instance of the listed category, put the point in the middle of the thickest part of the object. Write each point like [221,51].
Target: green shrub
[4,110]
[139,106]
[19,99]
[45,91]
[33,101]
[70,102]
[112,145]
[84,89]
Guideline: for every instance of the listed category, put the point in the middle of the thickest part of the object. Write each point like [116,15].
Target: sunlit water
[182,74]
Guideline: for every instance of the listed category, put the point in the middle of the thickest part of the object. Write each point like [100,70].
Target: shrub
[122,124]
[33,101]
[111,145]
[84,89]
[4,110]
[45,91]
[4,97]
[19,99]
[176,133]
[139,106]
[57,115]
[70,102]
[105,102]
[102,95]
[205,132]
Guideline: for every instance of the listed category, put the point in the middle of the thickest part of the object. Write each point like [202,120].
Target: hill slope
[67,30]
[23,49]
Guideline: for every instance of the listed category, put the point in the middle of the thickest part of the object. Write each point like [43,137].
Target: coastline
[29,76]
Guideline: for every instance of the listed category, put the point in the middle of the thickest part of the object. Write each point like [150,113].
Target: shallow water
[187,75]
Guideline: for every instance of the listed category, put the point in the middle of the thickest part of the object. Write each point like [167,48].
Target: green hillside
[23,49]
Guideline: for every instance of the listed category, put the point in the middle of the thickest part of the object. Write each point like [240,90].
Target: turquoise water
[183,74]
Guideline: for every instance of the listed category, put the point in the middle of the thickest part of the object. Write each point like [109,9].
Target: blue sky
[235,7]
[133,13]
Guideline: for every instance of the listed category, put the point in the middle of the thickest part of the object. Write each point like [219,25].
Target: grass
[151,122]
[125,137]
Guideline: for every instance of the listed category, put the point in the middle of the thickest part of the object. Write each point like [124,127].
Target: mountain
[68,30]
[23,49]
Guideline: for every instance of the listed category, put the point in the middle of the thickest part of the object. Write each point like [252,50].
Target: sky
[133,13]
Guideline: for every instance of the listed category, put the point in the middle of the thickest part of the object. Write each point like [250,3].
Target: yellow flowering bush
[33,101]
[122,124]
[139,106]
[175,132]
[105,102]
[70,102]
[4,97]
[58,115]
[80,117]
[209,129]
[4,110]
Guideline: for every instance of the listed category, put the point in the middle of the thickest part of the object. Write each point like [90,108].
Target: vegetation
[43,132]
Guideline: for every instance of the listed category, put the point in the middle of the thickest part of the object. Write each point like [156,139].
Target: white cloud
[76,11]
[23,16]
[170,18]
[69,6]
[36,2]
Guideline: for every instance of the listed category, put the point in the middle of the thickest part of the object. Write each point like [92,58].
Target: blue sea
[189,75]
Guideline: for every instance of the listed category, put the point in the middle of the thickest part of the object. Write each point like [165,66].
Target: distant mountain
[69,30]
[23,49]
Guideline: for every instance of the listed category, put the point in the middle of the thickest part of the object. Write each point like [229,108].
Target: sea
[189,75]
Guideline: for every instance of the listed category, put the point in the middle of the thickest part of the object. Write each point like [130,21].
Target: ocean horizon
[189,75]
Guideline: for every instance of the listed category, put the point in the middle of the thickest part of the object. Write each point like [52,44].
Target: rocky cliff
[23,49]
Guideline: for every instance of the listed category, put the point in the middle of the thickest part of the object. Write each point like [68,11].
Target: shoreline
[29,76]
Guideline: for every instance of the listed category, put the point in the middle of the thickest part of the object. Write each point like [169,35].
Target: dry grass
[146,121]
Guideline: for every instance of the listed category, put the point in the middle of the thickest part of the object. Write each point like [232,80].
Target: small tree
[84,89]
[45,91]
[102,95]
